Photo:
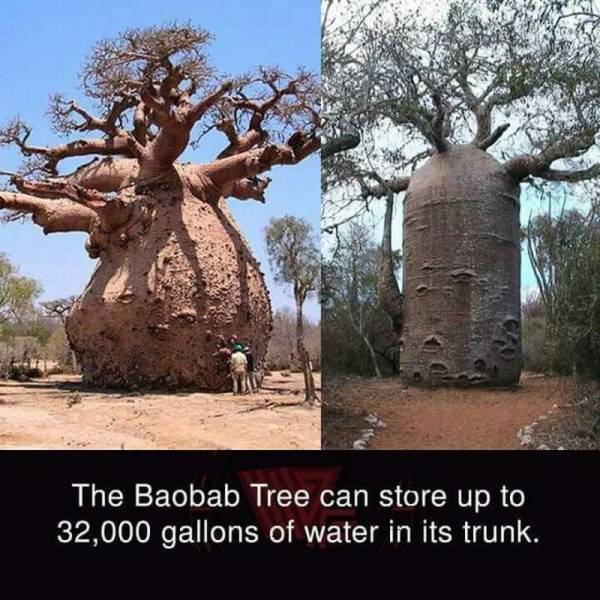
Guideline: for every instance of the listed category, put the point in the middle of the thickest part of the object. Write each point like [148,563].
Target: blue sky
[43,46]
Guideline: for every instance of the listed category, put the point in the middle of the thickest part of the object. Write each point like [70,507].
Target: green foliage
[294,254]
[350,306]
[27,336]
[565,254]
[17,294]
[537,350]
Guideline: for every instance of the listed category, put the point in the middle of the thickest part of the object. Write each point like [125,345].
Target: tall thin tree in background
[295,259]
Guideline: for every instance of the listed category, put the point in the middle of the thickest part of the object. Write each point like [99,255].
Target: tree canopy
[294,255]
[155,92]
[518,78]
[17,294]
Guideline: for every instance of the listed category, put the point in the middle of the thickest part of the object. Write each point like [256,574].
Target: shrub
[537,350]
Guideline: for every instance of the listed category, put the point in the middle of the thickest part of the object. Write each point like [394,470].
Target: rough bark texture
[461,274]
[171,287]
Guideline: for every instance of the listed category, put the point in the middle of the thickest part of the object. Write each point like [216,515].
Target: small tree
[565,255]
[357,333]
[357,283]
[60,310]
[296,260]
[17,294]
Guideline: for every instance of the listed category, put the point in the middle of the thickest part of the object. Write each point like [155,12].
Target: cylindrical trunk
[461,272]
[171,288]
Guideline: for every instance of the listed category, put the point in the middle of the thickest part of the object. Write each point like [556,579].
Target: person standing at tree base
[251,386]
[238,364]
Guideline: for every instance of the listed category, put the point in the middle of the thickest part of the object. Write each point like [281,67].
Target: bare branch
[250,188]
[140,125]
[265,99]
[18,133]
[485,143]
[61,189]
[112,212]
[199,109]
[258,160]
[340,143]
[527,165]
[107,175]
[61,111]
[381,190]
[54,216]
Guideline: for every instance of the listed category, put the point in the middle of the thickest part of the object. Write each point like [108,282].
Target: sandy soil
[438,419]
[58,412]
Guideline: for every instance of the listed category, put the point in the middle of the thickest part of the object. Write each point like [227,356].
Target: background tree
[357,335]
[24,330]
[481,99]
[60,310]
[356,286]
[565,255]
[175,277]
[346,98]
[283,354]
[296,260]
[17,294]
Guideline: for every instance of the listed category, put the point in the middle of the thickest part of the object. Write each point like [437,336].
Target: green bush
[537,348]
[565,255]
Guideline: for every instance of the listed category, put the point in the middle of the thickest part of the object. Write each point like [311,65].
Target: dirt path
[438,419]
[59,413]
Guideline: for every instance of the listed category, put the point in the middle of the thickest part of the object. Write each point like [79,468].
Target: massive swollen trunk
[461,272]
[171,288]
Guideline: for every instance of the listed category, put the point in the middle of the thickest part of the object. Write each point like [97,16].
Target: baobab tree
[296,261]
[60,309]
[175,277]
[483,98]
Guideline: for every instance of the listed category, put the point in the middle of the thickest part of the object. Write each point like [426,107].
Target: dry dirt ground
[58,412]
[448,418]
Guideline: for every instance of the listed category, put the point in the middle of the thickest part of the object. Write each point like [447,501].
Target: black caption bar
[413,505]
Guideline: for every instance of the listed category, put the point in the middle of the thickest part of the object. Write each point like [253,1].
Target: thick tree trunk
[461,272]
[310,393]
[171,287]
